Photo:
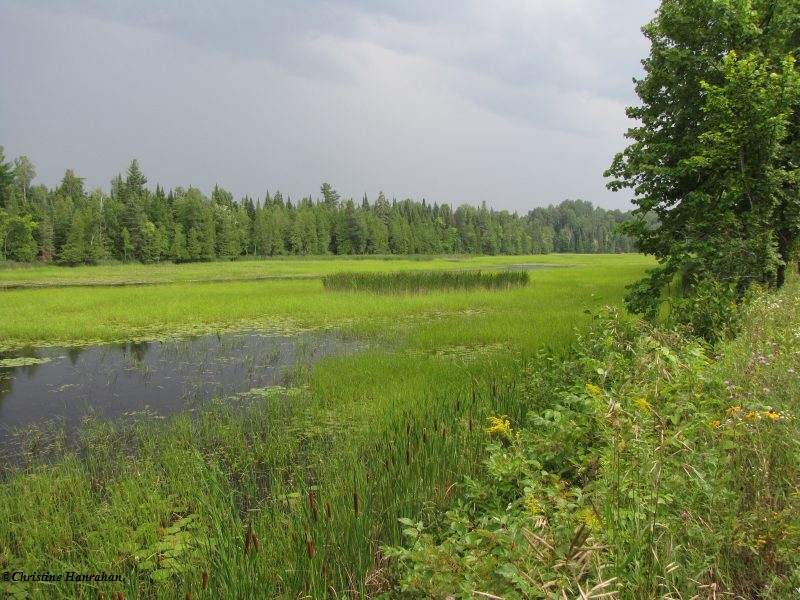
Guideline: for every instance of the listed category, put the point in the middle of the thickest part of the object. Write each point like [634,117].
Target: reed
[417,282]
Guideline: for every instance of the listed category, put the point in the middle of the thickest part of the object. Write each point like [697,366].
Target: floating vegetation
[22,361]
[424,281]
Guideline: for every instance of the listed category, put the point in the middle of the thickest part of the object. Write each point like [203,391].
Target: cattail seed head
[310,548]
[205,580]
[355,503]
[312,503]
[248,538]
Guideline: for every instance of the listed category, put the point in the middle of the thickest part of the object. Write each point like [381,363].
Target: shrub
[649,467]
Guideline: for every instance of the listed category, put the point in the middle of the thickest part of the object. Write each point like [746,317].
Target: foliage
[709,309]
[646,467]
[714,155]
[134,223]
[422,281]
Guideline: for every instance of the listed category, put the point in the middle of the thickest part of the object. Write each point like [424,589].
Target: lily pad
[22,361]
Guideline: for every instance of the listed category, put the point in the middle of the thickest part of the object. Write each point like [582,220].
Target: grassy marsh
[289,496]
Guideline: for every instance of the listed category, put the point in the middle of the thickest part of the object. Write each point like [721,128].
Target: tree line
[70,225]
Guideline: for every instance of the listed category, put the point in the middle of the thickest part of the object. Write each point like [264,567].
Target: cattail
[424,437]
[355,503]
[188,595]
[248,538]
[310,548]
[205,581]
[312,503]
[328,509]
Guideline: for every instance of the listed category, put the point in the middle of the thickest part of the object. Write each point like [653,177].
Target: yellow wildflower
[642,404]
[500,426]
[752,415]
[773,415]
[589,519]
[733,411]
[533,506]
[715,424]
[594,390]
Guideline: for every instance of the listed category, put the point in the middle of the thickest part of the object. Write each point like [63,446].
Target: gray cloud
[519,103]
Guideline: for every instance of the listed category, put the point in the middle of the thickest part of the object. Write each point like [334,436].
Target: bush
[647,467]
[709,308]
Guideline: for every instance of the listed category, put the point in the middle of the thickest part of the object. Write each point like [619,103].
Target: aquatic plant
[424,281]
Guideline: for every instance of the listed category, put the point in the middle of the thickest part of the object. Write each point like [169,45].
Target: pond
[161,377]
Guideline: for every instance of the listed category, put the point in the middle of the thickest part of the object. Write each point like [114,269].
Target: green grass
[424,281]
[319,478]
[23,275]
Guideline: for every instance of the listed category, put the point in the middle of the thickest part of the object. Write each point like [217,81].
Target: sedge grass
[424,281]
[374,437]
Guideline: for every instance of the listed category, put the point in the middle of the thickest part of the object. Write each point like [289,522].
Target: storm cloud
[516,103]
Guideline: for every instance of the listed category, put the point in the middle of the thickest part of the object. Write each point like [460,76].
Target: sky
[518,103]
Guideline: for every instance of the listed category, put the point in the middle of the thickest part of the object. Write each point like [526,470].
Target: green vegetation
[424,281]
[318,477]
[13,276]
[477,447]
[714,156]
[645,465]
[74,315]
[71,226]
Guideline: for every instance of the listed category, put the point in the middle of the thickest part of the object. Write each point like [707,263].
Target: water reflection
[111,380]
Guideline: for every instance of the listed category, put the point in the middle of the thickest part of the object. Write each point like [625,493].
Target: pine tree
[74,250]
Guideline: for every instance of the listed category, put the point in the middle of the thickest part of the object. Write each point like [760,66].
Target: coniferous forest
[72,225]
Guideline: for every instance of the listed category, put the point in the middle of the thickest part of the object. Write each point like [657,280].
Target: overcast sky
[518,103]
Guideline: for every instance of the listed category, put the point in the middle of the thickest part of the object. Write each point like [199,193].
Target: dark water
[110,381]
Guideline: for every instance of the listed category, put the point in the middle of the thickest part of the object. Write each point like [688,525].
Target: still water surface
[112,380]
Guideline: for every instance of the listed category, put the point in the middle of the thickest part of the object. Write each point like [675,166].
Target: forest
[70,225]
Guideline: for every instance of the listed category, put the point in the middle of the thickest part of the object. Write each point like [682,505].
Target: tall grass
[287,496]
[424,281]
[648,466]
